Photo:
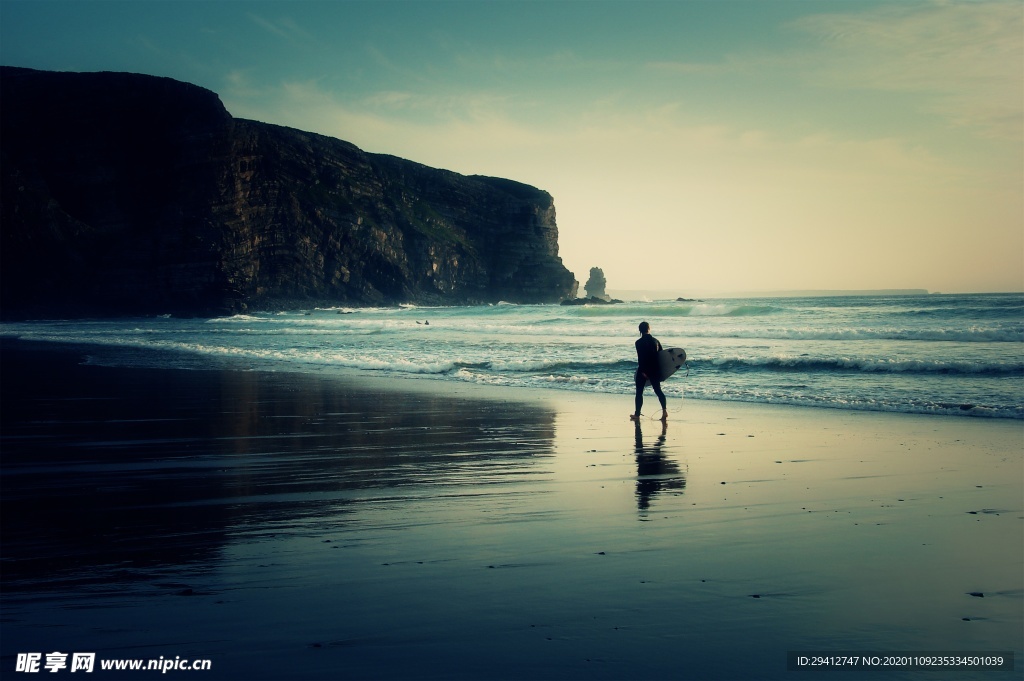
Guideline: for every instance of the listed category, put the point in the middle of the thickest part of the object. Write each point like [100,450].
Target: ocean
[958,355]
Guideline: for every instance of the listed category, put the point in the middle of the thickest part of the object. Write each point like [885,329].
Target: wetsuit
[647,348]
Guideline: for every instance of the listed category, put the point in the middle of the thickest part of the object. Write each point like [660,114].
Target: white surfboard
[670,359]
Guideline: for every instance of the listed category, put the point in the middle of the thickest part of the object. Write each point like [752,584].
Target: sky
[694,146]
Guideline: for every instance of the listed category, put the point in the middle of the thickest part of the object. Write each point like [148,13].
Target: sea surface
[960,355]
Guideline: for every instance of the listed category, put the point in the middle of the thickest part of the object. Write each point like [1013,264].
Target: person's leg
[640,380]
[661,398]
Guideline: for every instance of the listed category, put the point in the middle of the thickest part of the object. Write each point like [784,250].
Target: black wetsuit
[647,348]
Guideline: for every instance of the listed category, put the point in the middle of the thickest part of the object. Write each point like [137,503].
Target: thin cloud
[730,65]
[268,25]
[967,58]
[482,128]
[284,28]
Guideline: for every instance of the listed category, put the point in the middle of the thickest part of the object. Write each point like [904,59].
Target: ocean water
[960,355]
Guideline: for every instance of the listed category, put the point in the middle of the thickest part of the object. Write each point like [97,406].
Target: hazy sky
[698,146]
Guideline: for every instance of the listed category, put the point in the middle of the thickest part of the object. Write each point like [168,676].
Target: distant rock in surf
[590,301]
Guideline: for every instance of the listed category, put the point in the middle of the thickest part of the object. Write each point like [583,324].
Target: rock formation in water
[596,283]
[130,194]
[593,300]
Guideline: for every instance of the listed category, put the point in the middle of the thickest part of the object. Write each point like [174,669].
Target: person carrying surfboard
[648,369]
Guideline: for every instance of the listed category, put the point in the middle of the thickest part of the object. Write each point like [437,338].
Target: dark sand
[290,526]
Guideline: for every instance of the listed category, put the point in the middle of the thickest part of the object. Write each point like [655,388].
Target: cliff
[131,194]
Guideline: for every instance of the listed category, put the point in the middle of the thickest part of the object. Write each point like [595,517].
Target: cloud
[481,132]
[962,61]
[268,25]
[967,58]
[729,65]
[285,28]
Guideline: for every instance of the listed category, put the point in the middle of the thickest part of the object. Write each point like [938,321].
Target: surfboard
[670,359]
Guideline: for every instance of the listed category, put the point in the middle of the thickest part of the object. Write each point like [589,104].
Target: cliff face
[129,194]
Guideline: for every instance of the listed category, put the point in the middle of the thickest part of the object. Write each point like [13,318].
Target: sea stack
[596,284]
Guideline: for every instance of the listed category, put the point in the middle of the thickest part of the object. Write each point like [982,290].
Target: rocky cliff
[130,194]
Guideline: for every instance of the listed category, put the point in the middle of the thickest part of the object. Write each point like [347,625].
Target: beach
[289,525]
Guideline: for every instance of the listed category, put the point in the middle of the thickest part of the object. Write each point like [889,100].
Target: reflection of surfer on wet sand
[654,472]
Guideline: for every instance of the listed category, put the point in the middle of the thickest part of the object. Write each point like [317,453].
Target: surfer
[648,369]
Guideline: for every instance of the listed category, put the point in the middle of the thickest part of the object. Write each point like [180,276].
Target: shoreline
[429,383]
[289,525]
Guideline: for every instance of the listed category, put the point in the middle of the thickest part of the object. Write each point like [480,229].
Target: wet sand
[289,526]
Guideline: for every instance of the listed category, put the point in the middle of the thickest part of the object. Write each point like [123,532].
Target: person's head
[644,328]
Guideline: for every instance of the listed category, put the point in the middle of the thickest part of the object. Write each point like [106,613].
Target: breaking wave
[848,364]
